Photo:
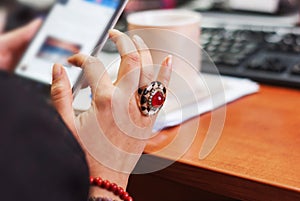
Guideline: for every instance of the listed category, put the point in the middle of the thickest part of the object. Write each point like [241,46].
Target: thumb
[61,95]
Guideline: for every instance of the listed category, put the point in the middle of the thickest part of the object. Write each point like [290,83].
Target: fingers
[19,38]
[165,71]
[123,42]
[94,71]
[130,59]
[139,57]
[147,71]
[13,44]
[61,95]
[6,59]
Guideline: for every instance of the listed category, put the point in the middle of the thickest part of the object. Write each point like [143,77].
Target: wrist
[97,169]
[106,190]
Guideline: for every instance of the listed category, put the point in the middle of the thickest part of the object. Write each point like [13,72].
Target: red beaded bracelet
[112,187]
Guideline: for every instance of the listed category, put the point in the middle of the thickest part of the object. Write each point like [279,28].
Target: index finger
[94,70]
[147,70]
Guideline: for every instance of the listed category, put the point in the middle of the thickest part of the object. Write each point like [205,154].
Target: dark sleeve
[40,159]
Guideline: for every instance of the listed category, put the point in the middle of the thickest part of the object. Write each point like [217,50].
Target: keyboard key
[254,64]
[296,48]
[211,48]
[231,62]
[264,56]
[288,39]
[273,38]
[223,48]
[296,69]
[268,64]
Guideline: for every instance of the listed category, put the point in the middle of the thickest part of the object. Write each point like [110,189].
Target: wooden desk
[256,158]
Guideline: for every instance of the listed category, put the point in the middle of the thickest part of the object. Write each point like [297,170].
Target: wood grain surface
[257,156]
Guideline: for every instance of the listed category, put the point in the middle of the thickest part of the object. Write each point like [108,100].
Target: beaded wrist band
[100,199]
[112,187]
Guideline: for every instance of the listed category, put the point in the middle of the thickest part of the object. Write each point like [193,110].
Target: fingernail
[57,70]
[112,32]
[169,60]
[36,20]
[70,59]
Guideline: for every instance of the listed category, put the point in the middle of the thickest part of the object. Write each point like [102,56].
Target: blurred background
[14,13]
[257,39]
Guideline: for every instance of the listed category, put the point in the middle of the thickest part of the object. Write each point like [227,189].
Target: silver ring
[151,98]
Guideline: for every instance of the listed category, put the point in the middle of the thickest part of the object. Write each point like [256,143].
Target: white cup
[176,32]
[185,22]
[173,32]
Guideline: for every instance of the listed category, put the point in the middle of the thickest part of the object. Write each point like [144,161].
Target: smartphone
[71,26]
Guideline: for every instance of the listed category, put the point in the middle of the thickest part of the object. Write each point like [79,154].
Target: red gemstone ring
[151,98]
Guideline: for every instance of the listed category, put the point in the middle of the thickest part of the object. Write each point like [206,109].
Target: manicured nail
[57,71]
[169,60]
[35,21]
[71,59]
[113,32]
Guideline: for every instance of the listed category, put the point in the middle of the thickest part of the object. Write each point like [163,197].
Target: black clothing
[40,159]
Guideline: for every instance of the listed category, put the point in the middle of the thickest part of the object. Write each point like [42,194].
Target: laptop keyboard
[271,57]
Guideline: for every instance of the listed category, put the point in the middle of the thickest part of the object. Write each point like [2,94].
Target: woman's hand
[113,132]
[14,43]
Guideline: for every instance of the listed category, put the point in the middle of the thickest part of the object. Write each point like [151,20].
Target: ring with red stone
[151,98]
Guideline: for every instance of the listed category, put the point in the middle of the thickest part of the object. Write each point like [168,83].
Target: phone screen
[72,26]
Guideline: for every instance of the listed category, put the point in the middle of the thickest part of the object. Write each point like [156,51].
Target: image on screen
[57,50]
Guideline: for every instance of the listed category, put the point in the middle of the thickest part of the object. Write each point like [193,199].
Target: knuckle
[147,77]
[91,60]
[106,99]
[133,58]
[165,84]
[103,98]
[165,81]
[58,92]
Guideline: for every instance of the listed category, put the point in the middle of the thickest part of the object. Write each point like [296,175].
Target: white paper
[234,88]
[184,99]
[178,109]
[268,6]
